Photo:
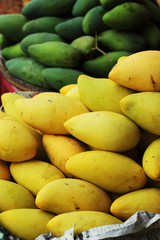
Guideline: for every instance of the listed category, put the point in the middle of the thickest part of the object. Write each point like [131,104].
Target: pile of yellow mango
[85,156]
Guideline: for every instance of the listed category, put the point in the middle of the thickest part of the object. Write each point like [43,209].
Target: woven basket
[12,6]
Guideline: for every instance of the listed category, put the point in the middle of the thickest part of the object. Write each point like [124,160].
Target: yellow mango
[66,88]
[48,113]
[121,58]
[104,130]
[34,174]
[146,199]
[42,94]
[83,220]
[13,195]
[111,171]
[139,71]
[4,171]
[16,142]
[143,109]
[25,223]
[54,144]
[101,94]
[68,195]
[74,92]
[151,161]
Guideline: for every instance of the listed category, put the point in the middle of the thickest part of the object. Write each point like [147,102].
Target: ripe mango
[4,171]
[34,174]
[104,130]
[25,223]
[74,92]
[66,88]
[98,167]
[68,195]
[146,199]
[13,196]
[83,220]
[139,71]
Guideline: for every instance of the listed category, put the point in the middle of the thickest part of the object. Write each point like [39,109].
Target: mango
[53,145]
[13,196]
[108,4]
[83,220]
[66,88]
[4,171]
[81,7]
[48,113]
[4,41]
[68,195]
[74,92]
[30,223]
[101,94]
[98,167]
[17,143]
[13,51]
[143,109]
[144,74]
[34,174]
[146,199]
[91,128]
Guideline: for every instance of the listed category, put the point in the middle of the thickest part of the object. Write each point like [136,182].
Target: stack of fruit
[52,42]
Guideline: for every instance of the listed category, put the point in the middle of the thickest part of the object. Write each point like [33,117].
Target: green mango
[41,24]
[59,77]
[55,54]
[28,70]
[11,26]
[126,16]
[115,40]
[93,21]
[154,11]
[81,7]
[4,41]
[13,51]
[100,66]
[70,29]
[35,38]
[108,4]
[41,8]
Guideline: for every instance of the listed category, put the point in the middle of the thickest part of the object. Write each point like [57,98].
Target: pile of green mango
[51,42]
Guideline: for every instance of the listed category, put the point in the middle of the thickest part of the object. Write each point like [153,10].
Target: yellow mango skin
[151,161]
[101,94]
[48,113]
[67,88]
[4,171]
[42,94]
[139,71]
[74,92]
[104,130]
[83,221]
[146,199]
[68,195]
[143,109]
[54,144]
[13,196]
[25,223]
[111,171]
[16,142]
[34,174]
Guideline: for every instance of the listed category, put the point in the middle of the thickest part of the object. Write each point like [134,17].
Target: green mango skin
[70,29]
[100,66]
[11,26]
[41,8]
[126,16]
[35,38]
[13,51]
[59,77]
[108,4]
[28,70]
[55,54]
[114,40]
[81,7]
[42,24]
[154,11]
[93,21]
[4,41]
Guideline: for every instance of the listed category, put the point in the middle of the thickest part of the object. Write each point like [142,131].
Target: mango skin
[98,167]
[25,219]
[143,109]
[13,51]
[101,94]
[58,108]
[91,128]
[53,145]
[146,199]
[17,142]
[67,88]
[68,195]
[83,221]
[81,7]
[150,160]
[34,174]
[139,71]
[13,196]
[4,171]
